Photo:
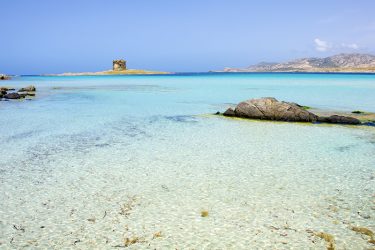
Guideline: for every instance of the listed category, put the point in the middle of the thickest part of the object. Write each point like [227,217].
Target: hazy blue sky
[45,36]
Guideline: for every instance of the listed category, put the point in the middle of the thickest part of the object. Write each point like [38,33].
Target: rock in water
[4,77]
[6,89]
[271,109]
[12,96]
[25,94]
[339,119]
[30,88]
[229,112]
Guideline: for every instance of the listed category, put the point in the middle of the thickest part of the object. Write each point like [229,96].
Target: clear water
[93,161]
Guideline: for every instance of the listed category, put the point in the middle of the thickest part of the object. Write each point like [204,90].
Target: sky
[44,36]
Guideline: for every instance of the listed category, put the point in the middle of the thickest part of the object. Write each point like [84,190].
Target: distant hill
[336,63]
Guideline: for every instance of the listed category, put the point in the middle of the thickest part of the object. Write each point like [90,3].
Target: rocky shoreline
[270,108]
[4,77]
[8,93]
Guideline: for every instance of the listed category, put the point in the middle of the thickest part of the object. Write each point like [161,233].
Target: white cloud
[321,45]
[324,46]
[350,45]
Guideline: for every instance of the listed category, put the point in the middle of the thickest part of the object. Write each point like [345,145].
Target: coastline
[111,72]
[144,72]
[333,70]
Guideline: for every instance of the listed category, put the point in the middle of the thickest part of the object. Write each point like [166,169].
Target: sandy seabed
[264,185]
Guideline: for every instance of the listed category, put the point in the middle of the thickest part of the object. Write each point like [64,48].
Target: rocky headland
[270,108]
[350,63]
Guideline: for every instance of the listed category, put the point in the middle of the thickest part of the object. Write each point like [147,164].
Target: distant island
[351,63]
[118,68]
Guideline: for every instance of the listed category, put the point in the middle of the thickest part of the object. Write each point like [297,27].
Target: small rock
[357,112]
[204,213]
[24,94]
[6,88]
[339,119]
[157,235]
[229,112]
[371,124]
[91,220]
[13,96]
[30,88]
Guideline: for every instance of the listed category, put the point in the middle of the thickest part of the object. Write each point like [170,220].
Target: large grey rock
[339,119]
[271,109]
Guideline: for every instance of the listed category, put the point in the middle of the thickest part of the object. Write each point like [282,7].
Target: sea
[142,162]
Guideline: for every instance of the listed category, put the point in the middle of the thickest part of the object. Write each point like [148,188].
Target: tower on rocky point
[119,65]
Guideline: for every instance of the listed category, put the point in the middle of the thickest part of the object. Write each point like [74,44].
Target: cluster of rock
[271,109]
[11,93]
[4,77]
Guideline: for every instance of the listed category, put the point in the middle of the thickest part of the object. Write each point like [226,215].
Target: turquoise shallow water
[93,161]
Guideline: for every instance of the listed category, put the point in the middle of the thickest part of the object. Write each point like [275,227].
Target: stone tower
[119,65]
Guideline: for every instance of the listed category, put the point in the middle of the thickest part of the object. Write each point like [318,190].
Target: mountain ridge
[354,62]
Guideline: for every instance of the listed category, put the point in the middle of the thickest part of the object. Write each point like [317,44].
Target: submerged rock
[30,88]
[24,94]
[13,96]
[270,108]
[370,123]
[204,213]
